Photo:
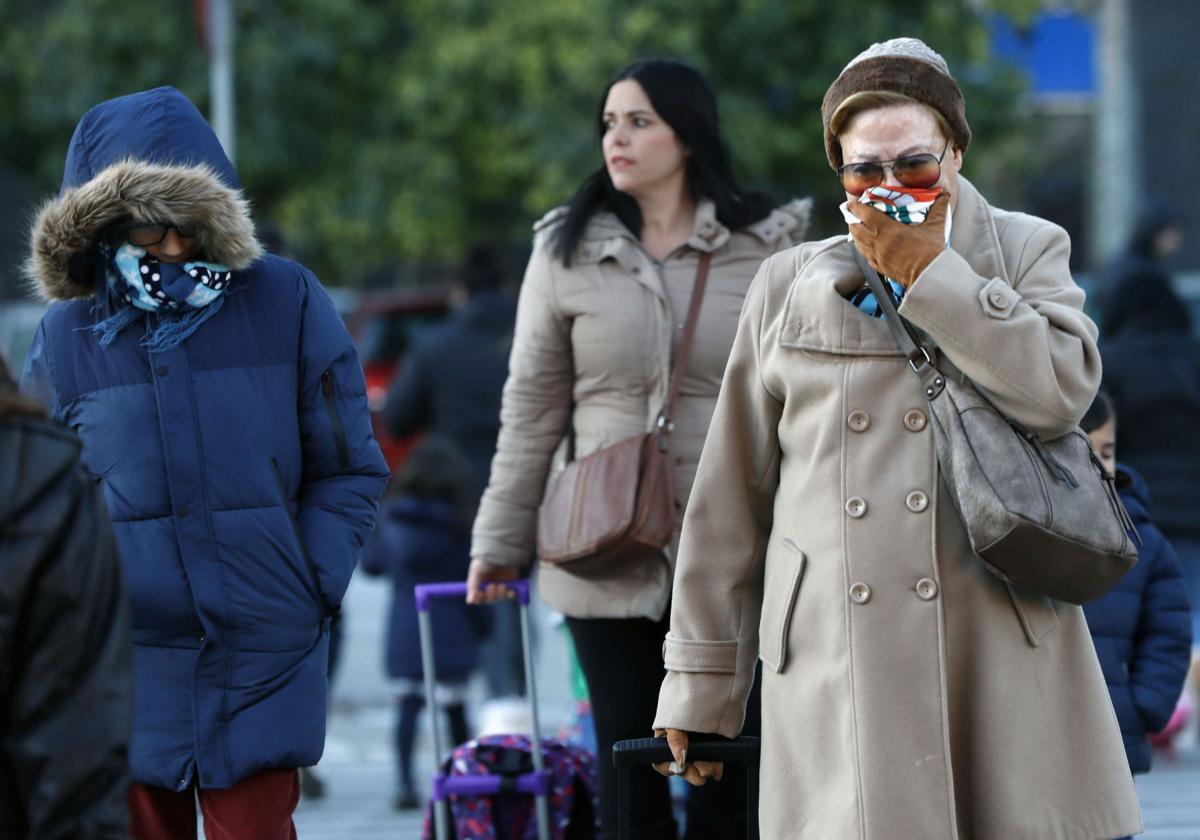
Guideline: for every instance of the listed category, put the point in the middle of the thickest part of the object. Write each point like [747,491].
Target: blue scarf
[182,295]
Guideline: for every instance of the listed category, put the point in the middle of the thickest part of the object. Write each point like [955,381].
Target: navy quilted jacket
[417,541]
[1142,631]
[239,468]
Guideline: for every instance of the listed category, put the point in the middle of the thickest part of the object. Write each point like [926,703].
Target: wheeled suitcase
[501,766]
[642,751]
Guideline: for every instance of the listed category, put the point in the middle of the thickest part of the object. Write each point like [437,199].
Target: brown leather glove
[895,249]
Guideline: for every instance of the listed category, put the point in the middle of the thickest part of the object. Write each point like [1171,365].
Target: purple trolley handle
[536,782]
[424,592]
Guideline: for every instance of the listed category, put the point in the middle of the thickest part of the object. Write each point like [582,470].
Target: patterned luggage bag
[505,787]
[510,814]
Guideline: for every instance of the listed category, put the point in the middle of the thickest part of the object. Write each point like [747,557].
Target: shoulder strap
[918,355]
[666,421]
[665,418]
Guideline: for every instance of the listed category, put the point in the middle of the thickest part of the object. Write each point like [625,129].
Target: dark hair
[1156,215]
[435,469]
[685,100]
[481,271]
[1099,413]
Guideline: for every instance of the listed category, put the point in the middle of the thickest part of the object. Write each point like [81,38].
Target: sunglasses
[917,171]
[144,234]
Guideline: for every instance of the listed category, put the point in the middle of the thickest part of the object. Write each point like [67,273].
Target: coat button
[856,507]
[998,299]
[860,593]
[183,511]
[161,370]
[859,421]
[914,420]
[926,589]
[917,501]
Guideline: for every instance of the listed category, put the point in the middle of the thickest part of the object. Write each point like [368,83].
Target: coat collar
[817,314]
[606,237]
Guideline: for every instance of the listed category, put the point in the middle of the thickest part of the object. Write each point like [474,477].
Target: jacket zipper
[339,432]
[308,561]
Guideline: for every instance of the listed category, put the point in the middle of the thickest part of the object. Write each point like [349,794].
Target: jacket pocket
[314,577]
[335,420]
[781,584]
[1035,612]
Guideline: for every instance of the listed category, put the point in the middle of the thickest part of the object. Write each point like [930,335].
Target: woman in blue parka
[222,408]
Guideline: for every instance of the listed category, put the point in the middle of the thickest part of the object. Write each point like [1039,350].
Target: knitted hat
[905,66]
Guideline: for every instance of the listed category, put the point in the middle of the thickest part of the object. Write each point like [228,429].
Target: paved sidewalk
[1170,797]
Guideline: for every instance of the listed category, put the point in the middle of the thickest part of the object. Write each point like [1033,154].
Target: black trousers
[621,659]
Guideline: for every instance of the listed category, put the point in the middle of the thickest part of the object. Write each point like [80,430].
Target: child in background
[1142,629]
[423,536]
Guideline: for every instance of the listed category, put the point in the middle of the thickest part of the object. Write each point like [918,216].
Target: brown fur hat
[902,65]
[67,226]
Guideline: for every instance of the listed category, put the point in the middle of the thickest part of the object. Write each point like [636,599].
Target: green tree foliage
[376,132]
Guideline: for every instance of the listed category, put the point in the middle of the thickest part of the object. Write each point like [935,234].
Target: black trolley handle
[642,751]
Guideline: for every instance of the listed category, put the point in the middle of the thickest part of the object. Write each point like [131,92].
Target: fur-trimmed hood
[149,156]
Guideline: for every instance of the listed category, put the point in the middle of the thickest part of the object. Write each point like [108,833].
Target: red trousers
[258,807]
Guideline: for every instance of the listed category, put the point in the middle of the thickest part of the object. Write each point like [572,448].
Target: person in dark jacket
[222,409]
[65,660]
[1137,273]
[450,384]
[1152,372]
[423,536]
[1142,628]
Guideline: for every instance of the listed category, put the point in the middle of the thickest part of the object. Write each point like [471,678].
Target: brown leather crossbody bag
[617,506]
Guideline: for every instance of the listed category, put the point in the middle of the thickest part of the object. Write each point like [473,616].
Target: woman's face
[1104,441]
[641,152]
[173,249]
[895,131]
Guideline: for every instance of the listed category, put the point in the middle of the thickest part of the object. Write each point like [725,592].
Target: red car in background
[383,326]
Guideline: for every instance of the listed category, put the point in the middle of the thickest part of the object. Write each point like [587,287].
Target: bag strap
[920,359]
[665,422]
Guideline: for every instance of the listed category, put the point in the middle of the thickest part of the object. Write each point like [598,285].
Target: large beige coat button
[859,421]
[926,589]
[856,507]
[914,420]
[917,501]
[860,593]
[998,299]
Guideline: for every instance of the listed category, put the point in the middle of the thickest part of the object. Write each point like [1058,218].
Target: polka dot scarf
[182,295]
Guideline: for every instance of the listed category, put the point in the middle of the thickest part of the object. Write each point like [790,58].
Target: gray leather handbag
[1043,515]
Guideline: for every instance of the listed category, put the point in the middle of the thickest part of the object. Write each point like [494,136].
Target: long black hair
[685,100]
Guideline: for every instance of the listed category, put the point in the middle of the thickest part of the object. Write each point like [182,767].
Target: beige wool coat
[907,693]
[593,346]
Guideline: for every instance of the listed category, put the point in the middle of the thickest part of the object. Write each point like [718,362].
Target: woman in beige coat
[598,325]
[907,693]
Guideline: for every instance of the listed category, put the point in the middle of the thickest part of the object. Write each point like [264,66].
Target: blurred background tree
[385,133]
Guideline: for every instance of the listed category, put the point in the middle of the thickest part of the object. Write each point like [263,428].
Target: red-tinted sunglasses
[912,171]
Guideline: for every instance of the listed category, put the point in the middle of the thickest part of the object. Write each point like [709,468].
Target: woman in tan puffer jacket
[599,322]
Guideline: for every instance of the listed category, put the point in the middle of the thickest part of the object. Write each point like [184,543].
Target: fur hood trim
[66,227]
